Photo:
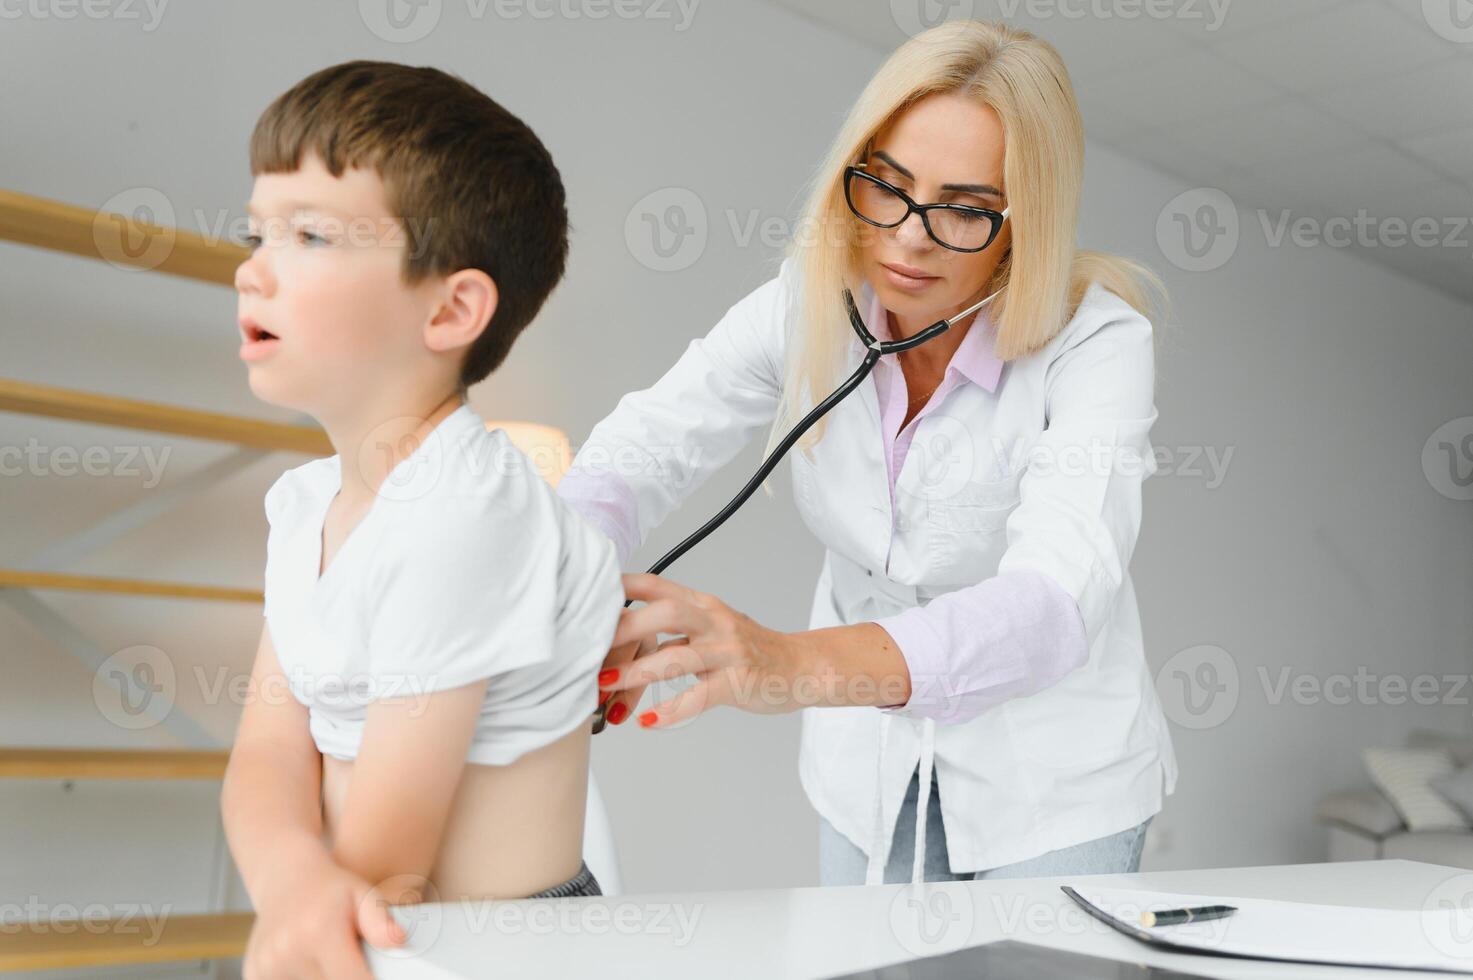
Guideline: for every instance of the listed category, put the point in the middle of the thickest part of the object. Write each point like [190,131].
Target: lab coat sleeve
[660,444]
[1070,538]
[1007,637]
[607,501]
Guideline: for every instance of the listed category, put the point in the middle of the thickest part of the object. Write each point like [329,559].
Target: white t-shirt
[468,565]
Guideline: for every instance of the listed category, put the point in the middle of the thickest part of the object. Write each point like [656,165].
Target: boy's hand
[308,927]
[621,704]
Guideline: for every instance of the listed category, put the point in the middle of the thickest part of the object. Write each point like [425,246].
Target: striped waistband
[582,883]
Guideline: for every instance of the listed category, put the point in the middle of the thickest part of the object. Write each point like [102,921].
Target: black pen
[1176,917]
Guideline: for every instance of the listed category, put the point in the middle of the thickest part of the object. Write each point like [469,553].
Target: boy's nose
[252,275]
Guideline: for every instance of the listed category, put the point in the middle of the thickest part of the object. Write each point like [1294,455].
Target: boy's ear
[468,300]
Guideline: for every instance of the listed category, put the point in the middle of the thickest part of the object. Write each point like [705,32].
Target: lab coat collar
[974,359]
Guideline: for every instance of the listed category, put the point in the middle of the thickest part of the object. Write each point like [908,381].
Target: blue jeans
[841,863]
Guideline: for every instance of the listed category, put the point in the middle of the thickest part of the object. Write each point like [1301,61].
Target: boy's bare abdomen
[513,830]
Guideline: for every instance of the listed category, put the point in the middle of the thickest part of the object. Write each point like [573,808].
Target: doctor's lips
[257,341]
[907,277]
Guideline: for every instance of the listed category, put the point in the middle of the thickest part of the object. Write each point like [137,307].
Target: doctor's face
[945,148]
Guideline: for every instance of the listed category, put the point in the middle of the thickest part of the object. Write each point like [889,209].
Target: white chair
[598,842]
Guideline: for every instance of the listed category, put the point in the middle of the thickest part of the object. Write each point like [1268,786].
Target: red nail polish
[604,697]
[607,677]
[617,713]
[648,718]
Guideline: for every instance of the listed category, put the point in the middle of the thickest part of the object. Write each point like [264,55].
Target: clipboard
[1010,958]
[1298,932]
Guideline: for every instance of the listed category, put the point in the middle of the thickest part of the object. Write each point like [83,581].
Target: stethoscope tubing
[875,349]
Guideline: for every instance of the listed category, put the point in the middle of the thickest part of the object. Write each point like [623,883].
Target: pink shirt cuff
[1010,636]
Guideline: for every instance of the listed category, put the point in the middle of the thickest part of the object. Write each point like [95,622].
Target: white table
[819,932]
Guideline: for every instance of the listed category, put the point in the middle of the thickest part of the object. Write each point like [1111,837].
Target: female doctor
[974,635]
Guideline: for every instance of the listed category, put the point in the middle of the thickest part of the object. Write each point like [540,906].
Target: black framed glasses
[959,227]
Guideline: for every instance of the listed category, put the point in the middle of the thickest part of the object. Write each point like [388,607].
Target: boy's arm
[271,798]
[409,765]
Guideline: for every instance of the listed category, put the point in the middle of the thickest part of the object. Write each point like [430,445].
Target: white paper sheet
[1439,936]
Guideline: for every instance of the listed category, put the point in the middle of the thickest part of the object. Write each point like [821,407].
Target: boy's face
[325,280]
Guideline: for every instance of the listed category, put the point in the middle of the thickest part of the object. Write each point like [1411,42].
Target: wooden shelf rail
[29,763]
[18,579]
[131,939]
[85,406]
[119,239]
[124,940]
[129,241]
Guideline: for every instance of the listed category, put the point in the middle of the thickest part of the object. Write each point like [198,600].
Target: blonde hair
[1041,279]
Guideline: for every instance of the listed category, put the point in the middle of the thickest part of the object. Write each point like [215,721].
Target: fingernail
[648,718]
[607,677]
[617,713]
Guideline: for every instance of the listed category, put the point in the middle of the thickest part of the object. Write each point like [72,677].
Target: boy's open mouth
[258,341]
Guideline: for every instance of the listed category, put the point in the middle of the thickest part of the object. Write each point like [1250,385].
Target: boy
[435,615]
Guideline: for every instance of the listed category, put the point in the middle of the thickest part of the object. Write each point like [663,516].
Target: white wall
[1324,550]
[1324,546]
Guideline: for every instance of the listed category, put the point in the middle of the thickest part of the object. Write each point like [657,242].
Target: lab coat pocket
[974,506]
[968,528]
[953,483]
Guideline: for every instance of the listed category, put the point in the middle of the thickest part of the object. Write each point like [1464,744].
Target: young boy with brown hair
[435,615]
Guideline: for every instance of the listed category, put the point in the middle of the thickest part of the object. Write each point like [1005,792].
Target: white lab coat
[988,485]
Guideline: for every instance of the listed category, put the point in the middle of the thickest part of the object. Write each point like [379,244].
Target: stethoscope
[875,349]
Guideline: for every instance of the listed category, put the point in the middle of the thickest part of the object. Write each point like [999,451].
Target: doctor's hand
[622,702]
[735,660]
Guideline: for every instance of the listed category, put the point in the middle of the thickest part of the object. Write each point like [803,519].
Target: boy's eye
[254,241]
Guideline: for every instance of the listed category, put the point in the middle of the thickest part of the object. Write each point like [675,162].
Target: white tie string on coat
[880,839]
